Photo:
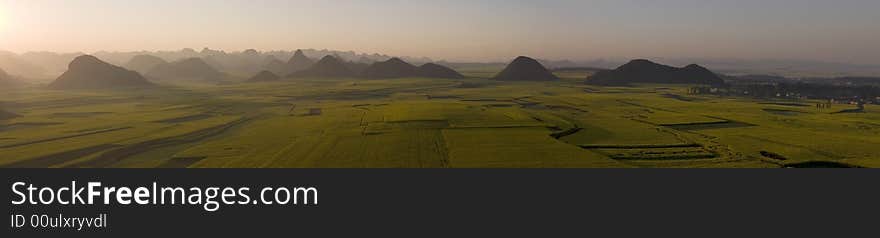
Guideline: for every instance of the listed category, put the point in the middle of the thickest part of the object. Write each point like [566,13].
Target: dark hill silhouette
[327,67]
[525,69]
[645,71]
[392,68]
[397,68]
[89,72]
[144,63]
[431,70]
[264,76]
[186,69]
[299,61]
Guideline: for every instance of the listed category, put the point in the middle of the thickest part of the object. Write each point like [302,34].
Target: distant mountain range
[42,67]
[144,63]
[299,61]
[186,69]
[328,67]
[48,65]
[89,72]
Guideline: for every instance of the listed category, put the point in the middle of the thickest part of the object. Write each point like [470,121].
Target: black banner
[431,202]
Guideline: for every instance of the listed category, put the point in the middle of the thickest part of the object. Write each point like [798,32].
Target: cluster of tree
[841,93]
[775,79]
[851,81]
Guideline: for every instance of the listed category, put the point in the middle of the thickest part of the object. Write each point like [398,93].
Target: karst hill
[89,72]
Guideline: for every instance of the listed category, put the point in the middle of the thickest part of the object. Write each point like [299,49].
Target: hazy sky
[841,30]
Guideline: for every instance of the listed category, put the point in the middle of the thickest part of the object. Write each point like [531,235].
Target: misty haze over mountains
[47,65]
[42,66]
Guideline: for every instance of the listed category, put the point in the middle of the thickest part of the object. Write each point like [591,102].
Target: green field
[426,123]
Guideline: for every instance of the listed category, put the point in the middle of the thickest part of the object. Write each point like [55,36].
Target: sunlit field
[427,123]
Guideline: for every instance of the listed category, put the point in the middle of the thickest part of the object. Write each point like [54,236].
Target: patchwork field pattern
[426,123]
